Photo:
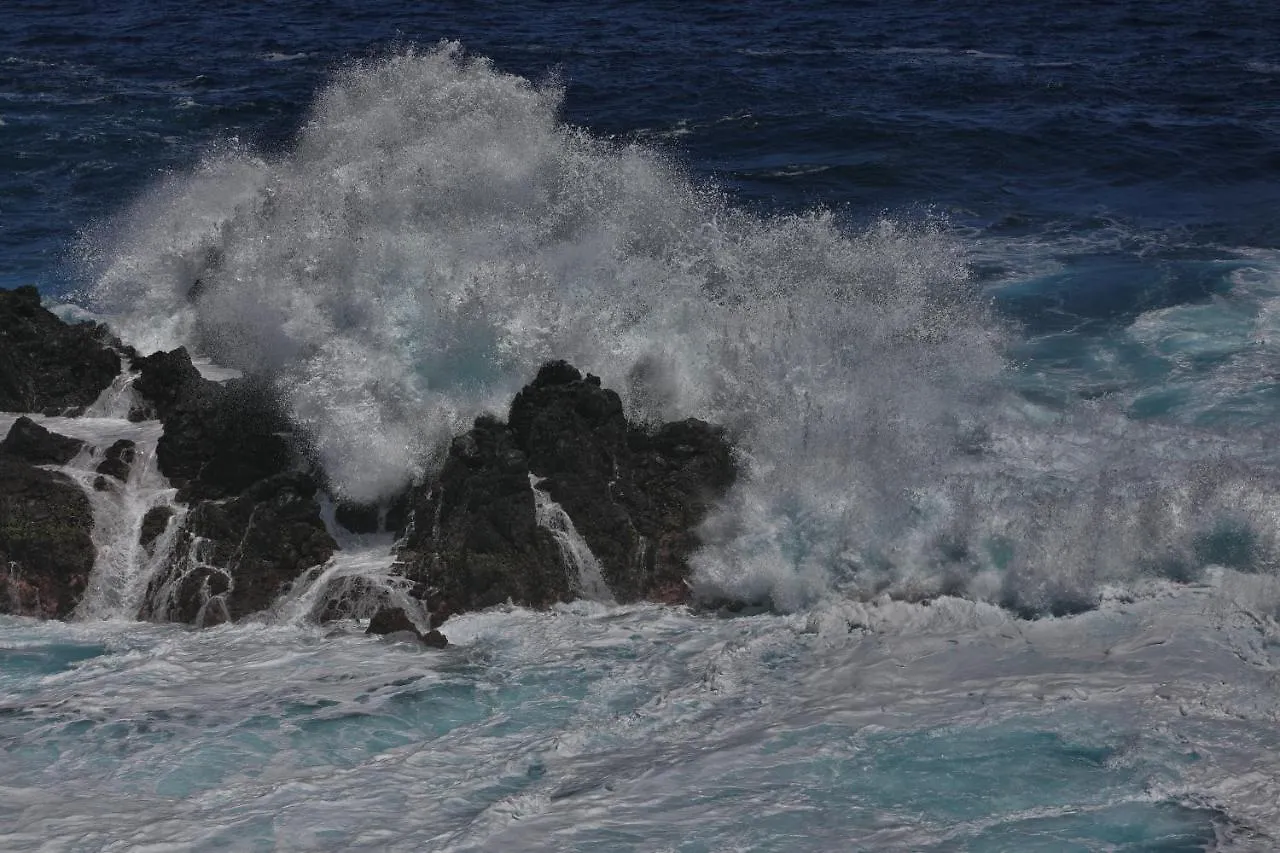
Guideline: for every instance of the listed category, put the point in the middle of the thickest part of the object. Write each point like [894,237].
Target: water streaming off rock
[985,296]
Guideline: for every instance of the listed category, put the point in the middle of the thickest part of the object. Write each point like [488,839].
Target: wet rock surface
[470,535]
[47,365]
[350,597]
[475,540]
[219,438]
[46,553]
[253,524]
[235,557]
[118,460]
[358,518]
[634,496]
[154,523]
[30,442]
[395,622]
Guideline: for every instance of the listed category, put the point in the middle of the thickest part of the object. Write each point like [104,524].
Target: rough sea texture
[989,297]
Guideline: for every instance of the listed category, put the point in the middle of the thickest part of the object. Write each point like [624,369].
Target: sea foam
[436,231]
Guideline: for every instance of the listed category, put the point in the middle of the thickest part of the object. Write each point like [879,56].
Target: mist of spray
[436,232]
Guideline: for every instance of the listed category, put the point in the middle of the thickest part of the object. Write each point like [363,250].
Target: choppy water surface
[987,297]
[897,726]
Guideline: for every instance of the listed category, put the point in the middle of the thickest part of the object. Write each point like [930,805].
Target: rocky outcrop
[163,379]
[476,534]
[678,473]
[634,496]
[219,438]
[29,441]
[235,557]
[47,365]
[475,541]
[46,553]
[253,524]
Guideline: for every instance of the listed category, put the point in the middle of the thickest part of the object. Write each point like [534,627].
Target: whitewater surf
[934,611]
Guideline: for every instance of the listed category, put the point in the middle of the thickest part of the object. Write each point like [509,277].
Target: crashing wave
[436,232]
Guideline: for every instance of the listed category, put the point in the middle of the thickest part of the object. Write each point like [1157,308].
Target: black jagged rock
[219,437]
[154,523]
[235,557]
[29,441]
[357,517]
[392,620]
[47,365]
[253,524]
[46,553]
[636,496]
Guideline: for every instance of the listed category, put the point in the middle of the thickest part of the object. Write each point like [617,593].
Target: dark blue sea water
[1158,117]
[1132,148]
[989,294]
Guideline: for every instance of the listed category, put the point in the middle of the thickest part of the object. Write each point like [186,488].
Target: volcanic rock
[392,621]
[118,459]
[46,553]
[47,365]
[163,379]
[236,556]
[219,438]
[357,518]
[677,474]
[634,496]
[154,523]
[349,597]
[253,525]
[29,441]
[475,539]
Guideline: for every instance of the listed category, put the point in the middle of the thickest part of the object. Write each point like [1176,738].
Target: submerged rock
[635,497]
[392,621]
[47,365]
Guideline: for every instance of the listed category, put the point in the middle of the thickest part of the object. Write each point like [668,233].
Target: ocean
[988,296]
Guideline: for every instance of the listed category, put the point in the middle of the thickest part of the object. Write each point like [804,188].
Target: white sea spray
[436,232]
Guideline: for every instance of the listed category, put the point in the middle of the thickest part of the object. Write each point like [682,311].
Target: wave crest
[436,232]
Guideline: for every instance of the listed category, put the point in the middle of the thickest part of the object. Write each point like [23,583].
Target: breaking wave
[436,232]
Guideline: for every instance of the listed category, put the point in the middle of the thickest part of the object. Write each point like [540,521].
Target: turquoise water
[593,727]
